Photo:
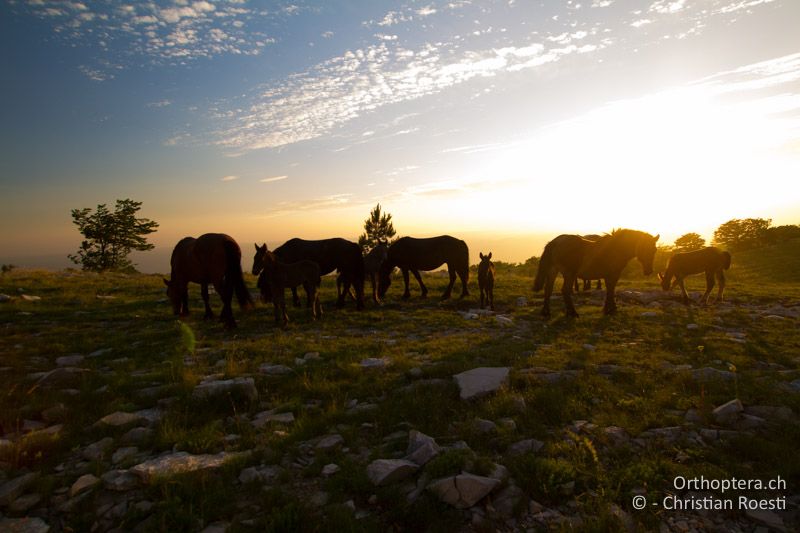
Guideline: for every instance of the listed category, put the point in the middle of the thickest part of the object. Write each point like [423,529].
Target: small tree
[689,242]
[377,228]
[111,236]
[740,234]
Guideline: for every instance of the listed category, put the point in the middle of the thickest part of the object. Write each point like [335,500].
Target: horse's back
[709,258]
[329,254]
[429,253]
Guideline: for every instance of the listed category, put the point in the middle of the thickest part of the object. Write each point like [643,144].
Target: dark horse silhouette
[281,276]
[587,283]
[372,264]
[413,255]
[710,260]
[574,257]
[212,258]
[329,254]
[486,280]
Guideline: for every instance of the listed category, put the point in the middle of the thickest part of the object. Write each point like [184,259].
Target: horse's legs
[610,306]
[406,293]
[463,276]
[204,294]
[279,303]
[373,279]
[317,303]
[490,294]
[550,280]
[576,285]
[310,303]
[295,297]
[423,289]
[185,301]
[226,294]
[449,290]
[566,292]
[721,280]
[709,286]
[482,290]
[684,294]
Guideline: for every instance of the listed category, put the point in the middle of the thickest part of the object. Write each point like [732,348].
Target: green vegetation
[621,371]
[378,228]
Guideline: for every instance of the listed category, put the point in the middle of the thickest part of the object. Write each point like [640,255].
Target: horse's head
[666,282]
[384,278]
[174,295]
[382,249]
[486,262]
[258,259]
[646,251]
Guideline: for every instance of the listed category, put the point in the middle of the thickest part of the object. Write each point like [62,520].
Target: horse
[574,257]
[212,258]
[280,276]
[486,280]
[587,283]
[710,260]
[330,255]
[413,255]
[372,264]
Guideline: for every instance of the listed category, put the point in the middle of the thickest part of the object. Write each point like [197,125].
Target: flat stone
[727,413]
[484,426]
[712,374]
[330,469]
[69,360]
[216,527]
[372,362]
[13,489]
[100,352]
[30,298]
[770,412]
[62,376]
[330,443]
[274,370]
[768,518]
[25,503]
[387,471]
[180,463]
[421,448]
[123,454]
[464,490]
[85,482]
[481,381]
[120,418]
[525,446]
[138,435]
[264,418]
[24,525]
[264,474]
[210,389]
[56,413]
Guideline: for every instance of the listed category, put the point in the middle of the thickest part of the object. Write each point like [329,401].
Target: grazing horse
[211,258]
[587,283]
[486,280]
[372,264]
[280,276]
[710,260]
[330,255]
[413,255]
[574,257]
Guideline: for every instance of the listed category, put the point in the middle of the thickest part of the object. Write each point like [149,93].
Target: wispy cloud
[274,178]
[229,178]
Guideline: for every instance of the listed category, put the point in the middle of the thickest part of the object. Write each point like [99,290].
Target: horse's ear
[655,239]
[489,256]
[256,245]
[480,254]
[166,281]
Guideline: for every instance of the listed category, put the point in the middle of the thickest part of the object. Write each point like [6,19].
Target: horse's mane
[625,232]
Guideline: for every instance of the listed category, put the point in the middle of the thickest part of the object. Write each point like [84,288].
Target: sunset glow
[504,123]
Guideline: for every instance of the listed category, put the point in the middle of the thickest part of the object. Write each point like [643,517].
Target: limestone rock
[24,525]
[11,490]
[726,414]
[180,463]
[525,446]
[85,482]
[210,389]
[123,454]
[120,418]
[481,381]
[97,450]
[62,376]
[120,480]
[69,360]
[387,471]
[712,374]
[274,370]
[421,448]
[464,490]
[330,443]
[330,469]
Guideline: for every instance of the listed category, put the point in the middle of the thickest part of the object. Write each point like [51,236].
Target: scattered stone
[589,347]
[138,435]
[521,301]
[616,435]
[30,298]
[692,326]
[330,469]
[264,418]
[312,356]
[712,374]
[726,414]
[210,389]
[484,426]
[120,418]
[649,314]
[123,454]
[24,503]
[56,413]
[525,446]
[481,381]
[216,527]
[24,525]
[101,352]
[5,298]
[464,490]
[415,372]
[767,518]
[769,412]
[330,443]
[32,425]
[504,320]
[421,448]
[387,471]
[274,370]
[61,376]
[372,362]
[120,480]
[507,500]
[69,360]
[97,450]
[693,416]
[83,483]
[11,490]
[179,463]
[507,423]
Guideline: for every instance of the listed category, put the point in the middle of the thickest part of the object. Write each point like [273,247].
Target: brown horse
[329,254]
[710,260]
[413,255]
[486,280]
[574,257]
[372,264]
[587,283]
[212,258]
[280,276]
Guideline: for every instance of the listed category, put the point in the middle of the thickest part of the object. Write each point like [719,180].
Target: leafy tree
[740,234]
[111,236]
[781,234]
[689,242]
[377,228]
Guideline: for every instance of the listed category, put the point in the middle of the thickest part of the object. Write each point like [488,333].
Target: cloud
[160,103]
[229,178]
[275,178]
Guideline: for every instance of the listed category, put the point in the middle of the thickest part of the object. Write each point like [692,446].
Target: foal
[372,264]
[486,280]
[710,260]
[280,276]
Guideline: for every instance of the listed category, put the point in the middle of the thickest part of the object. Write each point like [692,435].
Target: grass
[143,348]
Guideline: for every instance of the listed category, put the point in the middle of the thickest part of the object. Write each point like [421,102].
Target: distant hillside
[778,262]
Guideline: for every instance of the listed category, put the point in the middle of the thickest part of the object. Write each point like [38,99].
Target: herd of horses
[215,259]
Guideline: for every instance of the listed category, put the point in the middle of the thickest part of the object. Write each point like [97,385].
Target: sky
[504,123]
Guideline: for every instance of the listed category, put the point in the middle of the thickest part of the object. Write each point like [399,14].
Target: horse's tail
[465,261]
[234,276]
[726,260]
[545,264]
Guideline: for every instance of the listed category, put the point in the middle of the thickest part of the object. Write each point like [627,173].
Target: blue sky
[504,122]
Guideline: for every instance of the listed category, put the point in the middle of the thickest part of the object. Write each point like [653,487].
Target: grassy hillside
[621,405]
